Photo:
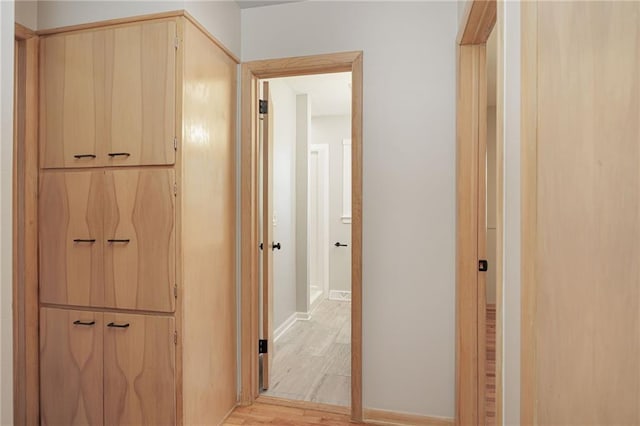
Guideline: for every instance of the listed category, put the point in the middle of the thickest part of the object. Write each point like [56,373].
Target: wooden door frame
[478,21]
[286,67]
[26,351]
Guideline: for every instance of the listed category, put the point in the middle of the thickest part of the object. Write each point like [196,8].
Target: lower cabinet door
[139,369]
[70,367]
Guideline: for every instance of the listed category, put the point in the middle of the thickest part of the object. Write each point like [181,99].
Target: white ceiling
[246,4]
[330,94]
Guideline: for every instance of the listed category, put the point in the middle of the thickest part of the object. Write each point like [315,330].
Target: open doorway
[305,221]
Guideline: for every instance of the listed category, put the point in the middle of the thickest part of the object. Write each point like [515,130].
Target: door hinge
[175,143]
[176,42]
[261,246]
[175,337]
[264,107]
[262,346]
[175,291]
[483,265]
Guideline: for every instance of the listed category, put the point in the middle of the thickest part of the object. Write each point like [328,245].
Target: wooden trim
[467,344]
[25,232]
[111,22]
[479,19]
[381,417]
[23,33]
[251,72]
[304,405]
[499,205]
[528,130]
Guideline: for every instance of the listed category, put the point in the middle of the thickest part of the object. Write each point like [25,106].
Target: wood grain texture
[139,370]
[490,402]
[479,19]
[500,184]
[25,225]
[208,227]
[139,270]
[382,417]
[71,367]
[482,226]
[467,234]
[267,234]
[266,413]
[140,89]
[249,238]
[587,292]
[529,148]
[71,90]
[251,72]
[70,208]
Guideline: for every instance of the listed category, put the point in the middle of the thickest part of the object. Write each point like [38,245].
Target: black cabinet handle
[118,241]
[118,154]
[89,323]
[275,246]
[84,156]
[113,324]
[80,240]
[338,244]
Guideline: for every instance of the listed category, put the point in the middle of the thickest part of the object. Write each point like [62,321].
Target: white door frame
[323,170]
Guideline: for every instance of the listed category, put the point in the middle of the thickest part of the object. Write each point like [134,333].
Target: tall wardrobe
[137,232]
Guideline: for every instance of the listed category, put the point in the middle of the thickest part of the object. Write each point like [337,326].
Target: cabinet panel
[72,95]
[139,369]
[141,91]
[140,239]
[70,367]
[70,216]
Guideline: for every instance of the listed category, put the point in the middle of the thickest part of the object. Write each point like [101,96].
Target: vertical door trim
[26,350]
[323,152]
[251,72]
[480,18]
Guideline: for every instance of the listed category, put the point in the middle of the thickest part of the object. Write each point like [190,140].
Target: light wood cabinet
[139,251]
[146,235]
[71,238]
[139,369]
[71,367]
[108,97]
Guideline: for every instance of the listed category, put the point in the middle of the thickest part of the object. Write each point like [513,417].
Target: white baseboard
[286,325]
[340,295]
[278,332]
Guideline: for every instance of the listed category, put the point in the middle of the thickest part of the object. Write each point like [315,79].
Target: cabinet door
[70,367]
[71,100]
[70,221]
[139,370]
[140,239]
[141,94]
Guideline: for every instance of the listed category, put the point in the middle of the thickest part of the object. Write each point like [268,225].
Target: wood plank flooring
[490,389]
[267,414]
[312,360]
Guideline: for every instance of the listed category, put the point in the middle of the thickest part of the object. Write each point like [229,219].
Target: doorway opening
[305,224]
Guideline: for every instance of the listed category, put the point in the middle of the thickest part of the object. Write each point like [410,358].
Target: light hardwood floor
[312,360]
[261,414]
[490,383]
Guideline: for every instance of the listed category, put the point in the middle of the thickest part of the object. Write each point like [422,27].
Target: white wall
[221,18]
[6,160]
[331,130]
[303,128]
[283,109]
[27,13]
[409,181]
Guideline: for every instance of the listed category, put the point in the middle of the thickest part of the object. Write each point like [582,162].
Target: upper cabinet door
[139,249]
[71,367]
[70,217]
[71,100]
[140,84]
